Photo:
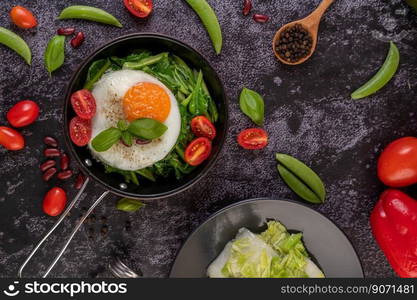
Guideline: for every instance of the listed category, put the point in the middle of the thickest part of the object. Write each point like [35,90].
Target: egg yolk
[146,100]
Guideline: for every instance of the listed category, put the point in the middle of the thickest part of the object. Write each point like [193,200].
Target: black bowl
[162,187]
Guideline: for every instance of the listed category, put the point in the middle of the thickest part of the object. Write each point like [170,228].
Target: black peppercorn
[294,43]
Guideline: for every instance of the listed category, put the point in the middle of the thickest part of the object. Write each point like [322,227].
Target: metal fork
[120,270]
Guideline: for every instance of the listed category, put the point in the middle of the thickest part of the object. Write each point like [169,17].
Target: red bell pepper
[394,225]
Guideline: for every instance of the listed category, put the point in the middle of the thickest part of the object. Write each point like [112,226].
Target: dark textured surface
[309,114]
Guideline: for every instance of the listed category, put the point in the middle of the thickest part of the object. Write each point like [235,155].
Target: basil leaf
[123,125]
[129,205]
[252,105]
[127,138]
[95,71]
[105,139]
[147,129]
[55,53]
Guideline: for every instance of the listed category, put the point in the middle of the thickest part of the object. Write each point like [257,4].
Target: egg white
[109,92]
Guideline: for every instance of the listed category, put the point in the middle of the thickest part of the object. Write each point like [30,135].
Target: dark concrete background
[309,114]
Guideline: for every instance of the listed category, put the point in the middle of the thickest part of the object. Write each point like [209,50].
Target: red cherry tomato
[397,165]
[139,8]
[80,131]
[11,139]
[54,201]
[84,104]
[201,126]
[23,113]
[197,151]
[253,138]
[23,17]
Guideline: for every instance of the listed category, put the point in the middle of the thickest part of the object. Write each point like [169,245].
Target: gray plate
[326,243]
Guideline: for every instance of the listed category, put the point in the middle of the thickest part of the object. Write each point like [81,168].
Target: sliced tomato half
[253,138]
[80,131]
[139,8]
[197,151]
[84,104]
[202,127]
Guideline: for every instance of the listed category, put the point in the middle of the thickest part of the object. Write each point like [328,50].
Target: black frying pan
[112,182]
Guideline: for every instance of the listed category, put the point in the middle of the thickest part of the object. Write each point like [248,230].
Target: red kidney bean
[142,142]
[51,152]
[64,174]
[247,6]
[77,40]
[50,141]
[64,163]
[79,181]
[47,165]
[49,174]
[66,31]
[260,18]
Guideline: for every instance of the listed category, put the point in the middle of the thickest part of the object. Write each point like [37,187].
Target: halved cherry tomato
[11,139]
[197,151]
[23,17]
[201,126]
[80,131]
[397,165]
[23,113]
[139,8]
[54,201]
[253,138]
[84,104]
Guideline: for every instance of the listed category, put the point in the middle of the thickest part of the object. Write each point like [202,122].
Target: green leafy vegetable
[136,65]
[252,105]
[55,53]
[95,71]
[275,253]
[105,139]
[129,205]
[147,129]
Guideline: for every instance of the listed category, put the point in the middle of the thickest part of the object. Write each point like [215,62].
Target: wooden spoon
[310,23]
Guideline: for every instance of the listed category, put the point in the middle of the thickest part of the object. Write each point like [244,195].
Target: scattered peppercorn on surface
[308,114]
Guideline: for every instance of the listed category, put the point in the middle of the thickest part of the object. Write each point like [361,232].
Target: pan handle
[74,231]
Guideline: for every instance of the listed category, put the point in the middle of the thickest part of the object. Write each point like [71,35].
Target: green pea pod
[301,179]
[89,13]
[105,139]
[210,21]
[382,77]
[129,205]
[147,129]
[55,53]
[95,72]
[16,43]
[252,105]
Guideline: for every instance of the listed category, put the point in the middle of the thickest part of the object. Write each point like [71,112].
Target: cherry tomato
[253,138]
[84,104]
[11,139]
[139,8]
[198,151]
[397,165]
[54,201]
[80,131]
[23,113]
[201,126]
[23,17]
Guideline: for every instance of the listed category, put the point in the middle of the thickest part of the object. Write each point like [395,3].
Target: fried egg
[130,95]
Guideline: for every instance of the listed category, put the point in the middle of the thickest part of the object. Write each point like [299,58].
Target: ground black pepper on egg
[294,43]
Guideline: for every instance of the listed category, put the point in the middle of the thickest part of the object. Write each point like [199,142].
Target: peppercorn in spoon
[295,42]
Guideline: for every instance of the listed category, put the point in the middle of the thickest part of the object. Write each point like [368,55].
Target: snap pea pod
[16,43]
[89,13]
[210,22]
[55,53]
[382,77]
[301,179]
